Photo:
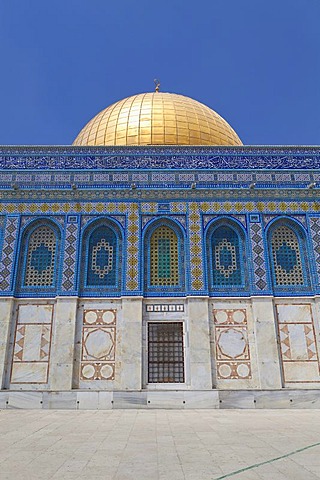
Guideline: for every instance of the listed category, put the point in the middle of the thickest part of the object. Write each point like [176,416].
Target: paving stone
[159,444]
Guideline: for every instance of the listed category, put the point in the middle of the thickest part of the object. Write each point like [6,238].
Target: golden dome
[157,119]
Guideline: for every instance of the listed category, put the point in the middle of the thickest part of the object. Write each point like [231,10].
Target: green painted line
[267,461]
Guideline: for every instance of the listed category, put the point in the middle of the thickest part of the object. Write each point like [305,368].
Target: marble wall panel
[32,344]
[98,344]
[35,313]
[6,309]
[232,350]
[299,353]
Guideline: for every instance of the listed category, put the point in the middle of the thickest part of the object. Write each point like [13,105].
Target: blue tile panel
[134,190]
[8,253]
[125,158]
[226,267]
[70,263]
[258,254]
[103,247]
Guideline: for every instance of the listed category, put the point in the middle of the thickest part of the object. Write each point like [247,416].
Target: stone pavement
[158,444]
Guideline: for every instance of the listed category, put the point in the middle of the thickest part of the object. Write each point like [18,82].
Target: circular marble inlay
[224,370]
[107,372]
[238,316]
[98,343]
[221,316]
[243,370]
[88,371]
[108,317]
[90,317]
[232,342]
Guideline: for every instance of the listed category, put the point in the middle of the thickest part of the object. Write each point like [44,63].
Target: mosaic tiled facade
[110,257]
[89,199]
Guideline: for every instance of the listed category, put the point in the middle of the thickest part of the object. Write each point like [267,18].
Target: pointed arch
[39,257]
[164,257]
[226,256]
[101,270]
[288,256]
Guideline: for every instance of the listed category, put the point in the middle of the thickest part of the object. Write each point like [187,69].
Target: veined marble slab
[35,313]
[301,371]
[60,400]
[129,399]
[294,313]
[25,400]
[35,372]
[184,399]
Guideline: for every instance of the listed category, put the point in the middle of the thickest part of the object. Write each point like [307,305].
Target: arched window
[41,255]
[102,250]
[39,258]
[164,258]
[287,257]
[226,258]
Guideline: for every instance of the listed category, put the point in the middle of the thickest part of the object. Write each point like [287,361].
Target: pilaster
[199,344]
[6,309]
[266,343]
[129,345]
[62,356]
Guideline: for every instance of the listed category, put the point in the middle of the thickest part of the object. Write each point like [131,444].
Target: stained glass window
[286,257]
[102,257]
[164,257]
[41,255]
[226,268]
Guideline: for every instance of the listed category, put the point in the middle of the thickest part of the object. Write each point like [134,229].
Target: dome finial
[157,84]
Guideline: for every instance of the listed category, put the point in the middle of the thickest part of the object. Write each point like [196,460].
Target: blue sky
[255,62]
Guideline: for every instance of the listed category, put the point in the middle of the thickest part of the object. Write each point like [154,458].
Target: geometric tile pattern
[98,344]
[164,257]
[70,258]
[258,257]
[132,276]
[226,267]
[132,238]
[195,239]
[54,206]
[102,253]
[231,344]
[315,236]
[298,346]
[32,344]
[40,266]
[9,242]
[286,257]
